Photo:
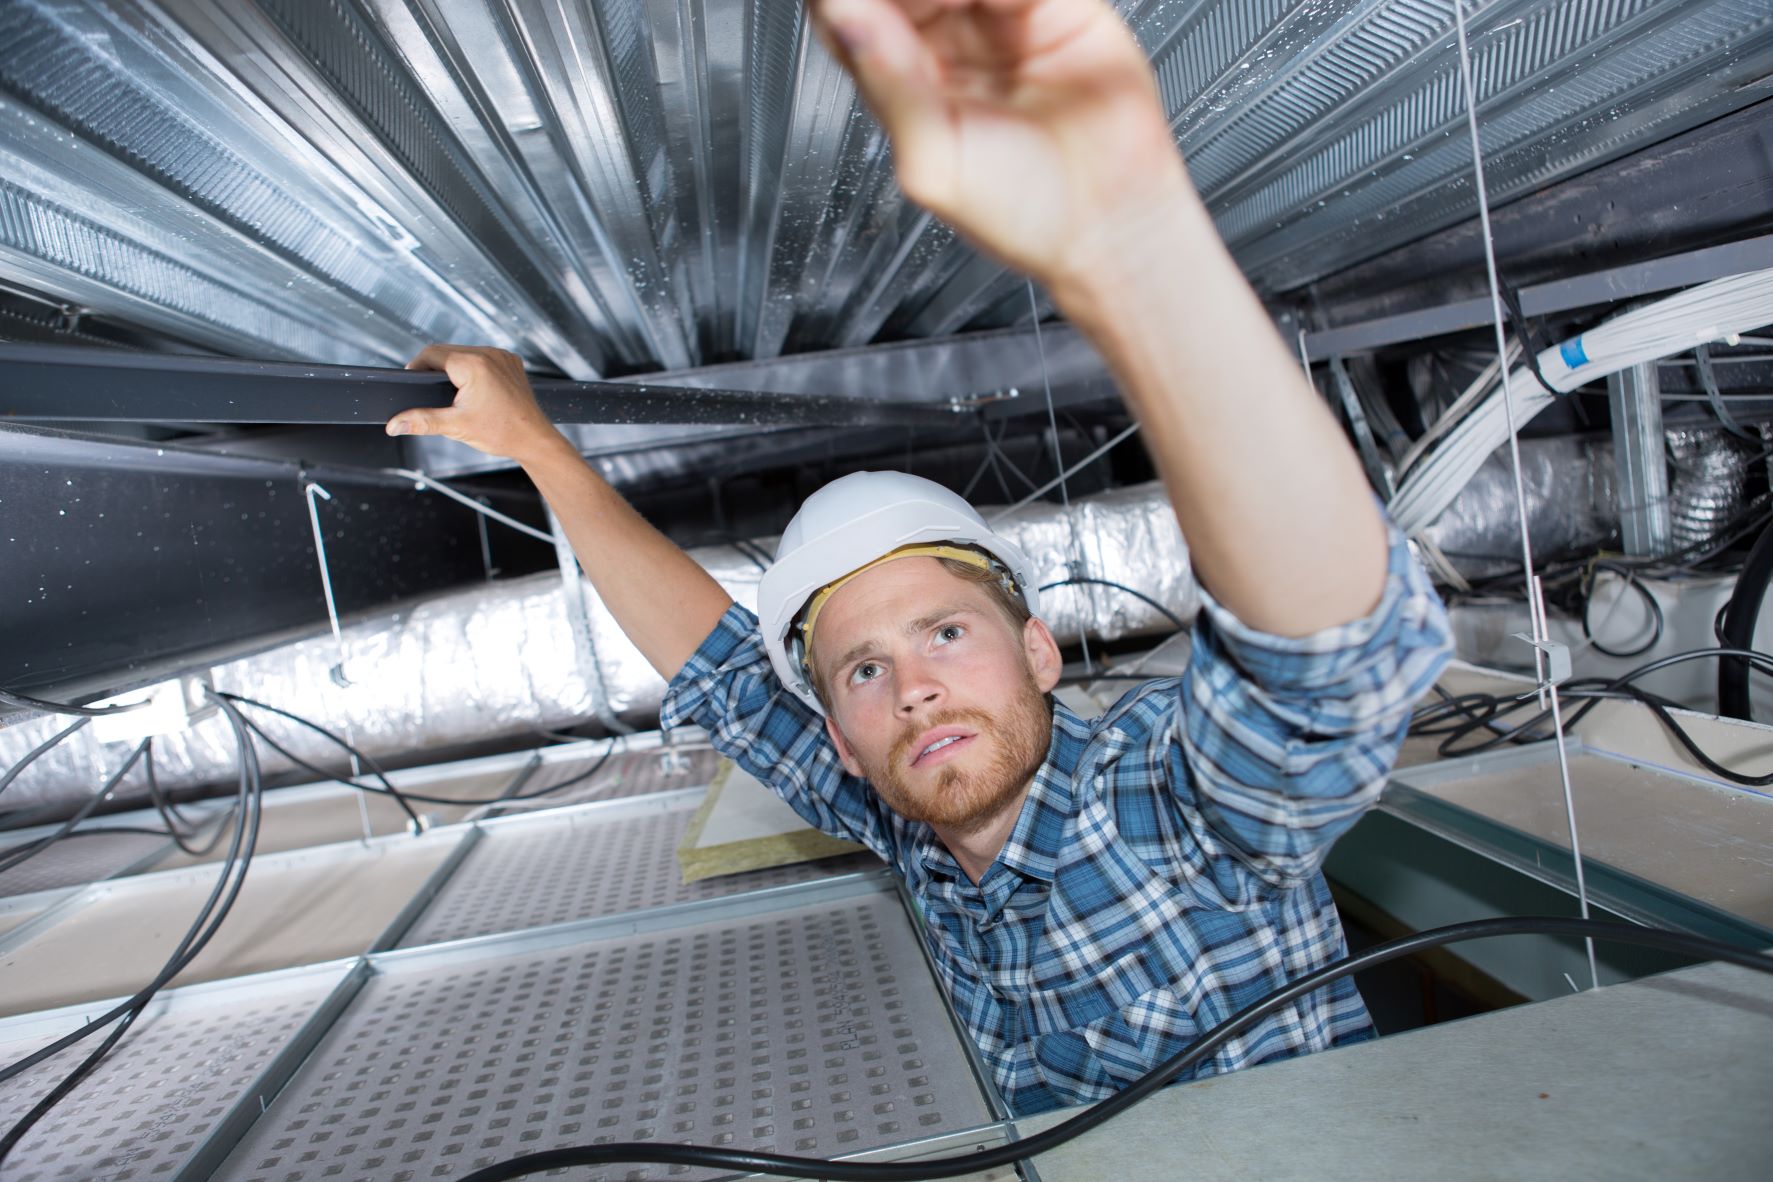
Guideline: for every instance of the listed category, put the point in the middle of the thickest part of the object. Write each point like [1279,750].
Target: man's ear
[844,752]
[1042,651]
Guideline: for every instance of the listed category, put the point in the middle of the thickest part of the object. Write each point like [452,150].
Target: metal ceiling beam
[73,384]
[1580,291]
[975,369]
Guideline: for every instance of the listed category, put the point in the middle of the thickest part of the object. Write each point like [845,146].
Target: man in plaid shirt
[1096,893]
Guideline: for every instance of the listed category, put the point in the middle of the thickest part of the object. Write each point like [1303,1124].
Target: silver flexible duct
[1573,500]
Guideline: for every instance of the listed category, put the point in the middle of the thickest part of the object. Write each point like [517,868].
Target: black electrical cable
[1650,602]
[553,788]
[750,1161]
[240,849]
[8,698]
[1688,560]
[111,830]
[38,751]
[69,1082]
[1529,339]
[209,920]
[403,797]
[177,825]
[1483,711]
[16,857]
[169,811]
[1169,615]
[1740,616]
[385,789]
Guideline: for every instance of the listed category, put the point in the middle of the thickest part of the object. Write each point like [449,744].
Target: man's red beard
[964,798]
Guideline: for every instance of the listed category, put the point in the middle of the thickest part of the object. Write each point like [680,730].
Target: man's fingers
[438,357]
[430,357]
[418,421]
[900,78]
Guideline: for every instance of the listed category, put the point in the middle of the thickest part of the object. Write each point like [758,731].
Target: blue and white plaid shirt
[1163,873]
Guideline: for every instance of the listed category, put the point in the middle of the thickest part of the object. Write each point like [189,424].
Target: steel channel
[74,899]
[1646,519]
[58,1020]
[82,383]
[987,1085]
[352,850]
[1443,771]
[615,809]
[428,890]
[1579,291]
[633,923]
[227,1133]
[940,1145]
[1621,892]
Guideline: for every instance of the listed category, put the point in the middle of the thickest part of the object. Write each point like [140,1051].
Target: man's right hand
[494,411]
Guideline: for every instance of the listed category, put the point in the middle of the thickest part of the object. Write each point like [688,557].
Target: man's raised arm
[1034,127]
[662,599]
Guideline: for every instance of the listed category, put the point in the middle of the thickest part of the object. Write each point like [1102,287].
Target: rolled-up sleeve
[729,688]
[1281,743]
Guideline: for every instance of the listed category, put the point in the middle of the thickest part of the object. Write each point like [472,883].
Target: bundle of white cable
[1712,311]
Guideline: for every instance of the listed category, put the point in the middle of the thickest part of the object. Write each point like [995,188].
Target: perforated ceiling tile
[148,1105]
[80,860]
[813,1030]
[624,774]
[522,877]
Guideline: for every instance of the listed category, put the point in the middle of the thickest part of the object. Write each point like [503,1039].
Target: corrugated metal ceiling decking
[639,184]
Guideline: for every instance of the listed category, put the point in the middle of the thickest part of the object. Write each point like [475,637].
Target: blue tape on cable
[1573,353]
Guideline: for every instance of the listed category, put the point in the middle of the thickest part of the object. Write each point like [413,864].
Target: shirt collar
[1033,846]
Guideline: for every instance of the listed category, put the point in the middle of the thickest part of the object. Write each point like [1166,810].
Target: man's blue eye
[949,632]
[863,673]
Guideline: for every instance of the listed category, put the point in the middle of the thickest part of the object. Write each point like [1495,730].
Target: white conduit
[1710,312]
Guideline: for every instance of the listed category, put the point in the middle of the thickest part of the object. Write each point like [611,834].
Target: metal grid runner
[174,1076]
[78,861]
[812,1030]
[520,878]
[627,773]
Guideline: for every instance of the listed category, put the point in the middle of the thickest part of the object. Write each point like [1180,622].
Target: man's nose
[919,688]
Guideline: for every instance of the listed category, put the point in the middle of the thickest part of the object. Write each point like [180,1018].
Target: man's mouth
[939,745]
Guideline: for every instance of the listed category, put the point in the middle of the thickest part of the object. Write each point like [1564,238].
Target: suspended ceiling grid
[789,1008]
[638,185]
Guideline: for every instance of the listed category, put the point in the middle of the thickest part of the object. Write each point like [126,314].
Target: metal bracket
[1557,658]
[962,403]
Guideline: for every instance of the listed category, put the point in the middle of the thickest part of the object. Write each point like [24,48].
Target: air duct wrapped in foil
[500,660]
[1706,484]
[1572,499]
[1571,507]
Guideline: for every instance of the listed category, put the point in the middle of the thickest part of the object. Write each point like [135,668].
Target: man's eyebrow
[921,624]
[925,623]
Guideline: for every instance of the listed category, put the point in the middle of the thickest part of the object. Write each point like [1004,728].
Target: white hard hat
[850,523]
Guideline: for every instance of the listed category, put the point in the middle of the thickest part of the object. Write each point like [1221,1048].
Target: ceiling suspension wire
[312,490]
[1075,567]
[1541,634]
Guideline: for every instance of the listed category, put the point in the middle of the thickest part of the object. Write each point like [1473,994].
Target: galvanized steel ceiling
[641,184]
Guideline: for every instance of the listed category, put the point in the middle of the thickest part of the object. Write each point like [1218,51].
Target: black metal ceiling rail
[1562,295]
[68,383]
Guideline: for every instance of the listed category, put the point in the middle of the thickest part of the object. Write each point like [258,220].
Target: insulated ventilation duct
[501,661]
